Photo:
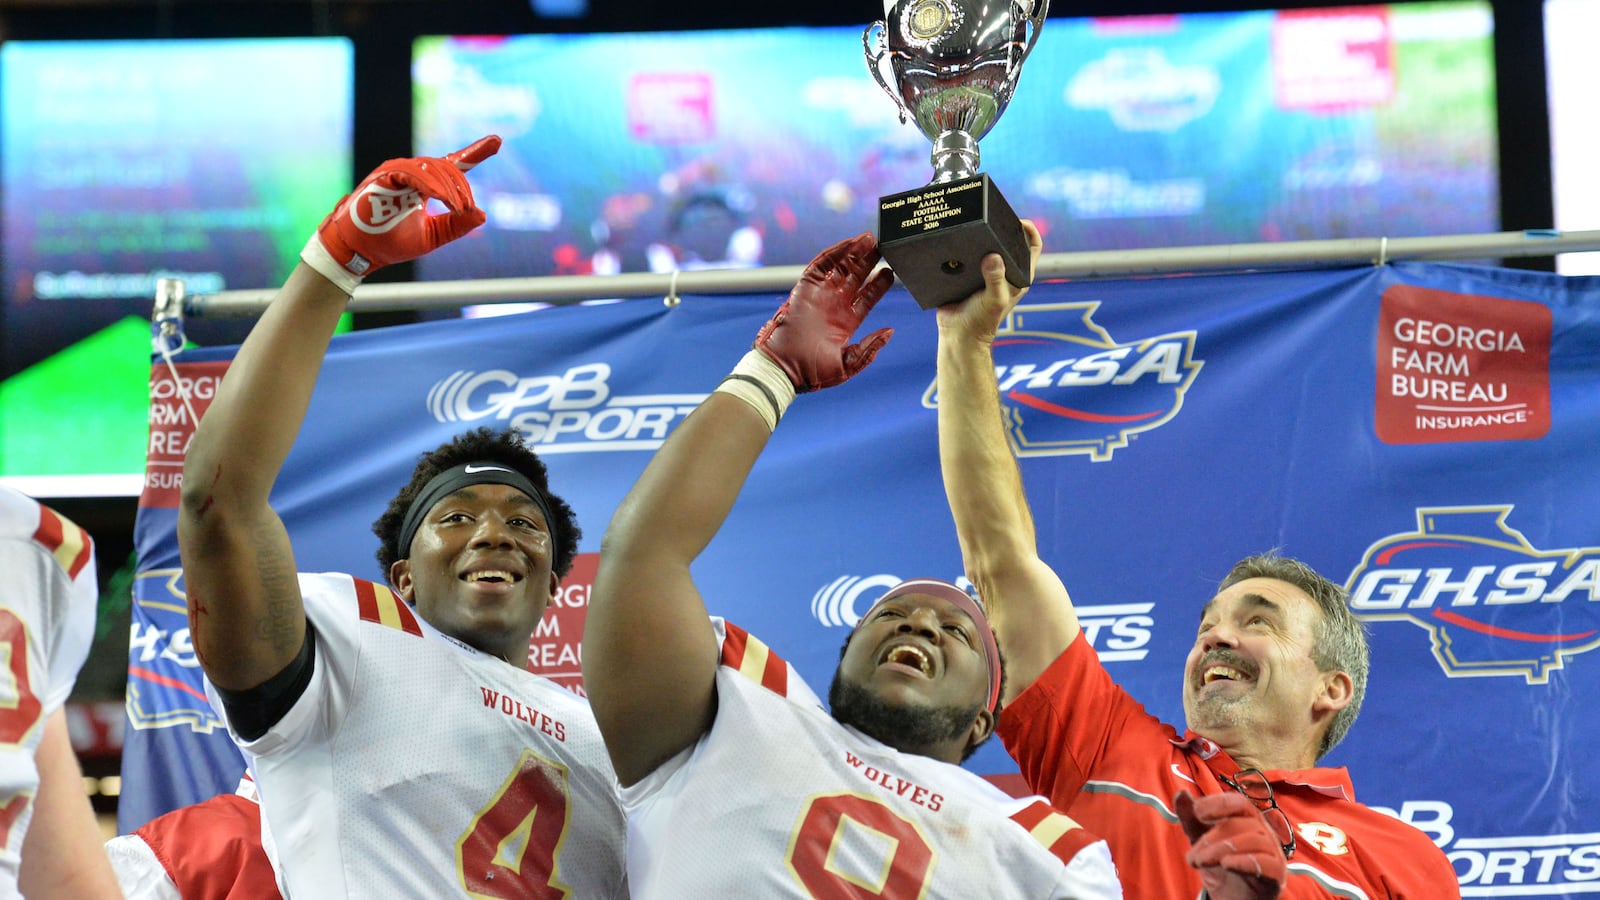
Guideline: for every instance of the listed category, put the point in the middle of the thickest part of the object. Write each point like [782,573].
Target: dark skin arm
[245,612]
[649,651]
[650,656]
[246,615]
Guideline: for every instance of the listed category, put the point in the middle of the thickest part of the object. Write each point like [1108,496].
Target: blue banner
[1422,433]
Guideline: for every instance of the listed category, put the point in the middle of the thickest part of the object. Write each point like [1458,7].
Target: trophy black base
[935,238]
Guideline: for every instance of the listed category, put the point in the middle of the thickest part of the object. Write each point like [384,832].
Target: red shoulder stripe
[733,642]
[68,543]
[366,601]
[753,659]
[379,604]
[775,677]
[1058,833]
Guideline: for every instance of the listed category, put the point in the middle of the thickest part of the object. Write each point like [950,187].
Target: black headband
[454,479]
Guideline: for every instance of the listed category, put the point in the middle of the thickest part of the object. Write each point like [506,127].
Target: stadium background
[381,33]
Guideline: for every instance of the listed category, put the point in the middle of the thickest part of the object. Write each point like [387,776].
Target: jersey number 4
[510,851]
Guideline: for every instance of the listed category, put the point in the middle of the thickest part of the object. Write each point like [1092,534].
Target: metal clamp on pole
[166,322]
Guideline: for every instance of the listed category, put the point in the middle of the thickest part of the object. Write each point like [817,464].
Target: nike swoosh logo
[1179,772]
[473,470]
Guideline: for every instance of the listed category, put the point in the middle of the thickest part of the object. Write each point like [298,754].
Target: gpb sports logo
[164,683]
[1066,387]
[1491,602]
[1118,633]
[1507,866]
[573,412]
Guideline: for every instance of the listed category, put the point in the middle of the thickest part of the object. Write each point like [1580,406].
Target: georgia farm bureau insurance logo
[1461,367]
[1492,603]
[1067,387]
[571,412]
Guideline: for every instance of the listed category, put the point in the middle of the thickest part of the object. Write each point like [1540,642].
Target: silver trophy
[952,68]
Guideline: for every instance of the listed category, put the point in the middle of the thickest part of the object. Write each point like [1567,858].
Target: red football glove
[1238,854]
[385,219]
[808,335]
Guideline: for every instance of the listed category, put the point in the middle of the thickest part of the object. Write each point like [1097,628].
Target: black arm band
[254,711]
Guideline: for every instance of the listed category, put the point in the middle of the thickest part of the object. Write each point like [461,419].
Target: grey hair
[1338,638]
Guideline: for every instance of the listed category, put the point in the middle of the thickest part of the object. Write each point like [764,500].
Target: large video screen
[125,161]
[1572,70]
[649,152]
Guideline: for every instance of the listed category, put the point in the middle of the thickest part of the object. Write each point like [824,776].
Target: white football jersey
[48,595]
[416,766]
[778,799]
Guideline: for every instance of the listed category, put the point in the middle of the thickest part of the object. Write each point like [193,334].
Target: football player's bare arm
[62,854]
[649,653]
[245,612]
[245,616]
[1026,602]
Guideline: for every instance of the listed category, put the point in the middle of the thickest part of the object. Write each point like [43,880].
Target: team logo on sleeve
[164,681]
[1067,387]
[1491,602]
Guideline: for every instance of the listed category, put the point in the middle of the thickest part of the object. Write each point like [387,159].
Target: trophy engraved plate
[952,66]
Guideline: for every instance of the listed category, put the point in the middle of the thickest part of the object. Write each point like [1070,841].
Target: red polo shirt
[1082,741]
[212,850]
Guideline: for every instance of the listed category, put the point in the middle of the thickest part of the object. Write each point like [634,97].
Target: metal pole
[566,289]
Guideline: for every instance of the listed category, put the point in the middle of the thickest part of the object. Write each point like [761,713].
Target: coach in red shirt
[209,850]
[1235,806]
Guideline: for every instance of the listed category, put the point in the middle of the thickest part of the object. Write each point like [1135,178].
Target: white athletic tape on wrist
[316,256]
[758,381]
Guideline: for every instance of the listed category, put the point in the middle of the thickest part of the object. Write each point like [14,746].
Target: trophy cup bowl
[952,69]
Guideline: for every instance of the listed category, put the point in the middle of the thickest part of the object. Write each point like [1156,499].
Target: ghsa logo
[1490,601]
[165,689]
[1067,387]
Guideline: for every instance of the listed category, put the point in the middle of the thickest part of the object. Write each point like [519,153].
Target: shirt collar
[1332,782]
[1205,748]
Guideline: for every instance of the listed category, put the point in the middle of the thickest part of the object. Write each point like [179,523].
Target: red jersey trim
[68,543]
[381,605]
[1056,832]
[747,655]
